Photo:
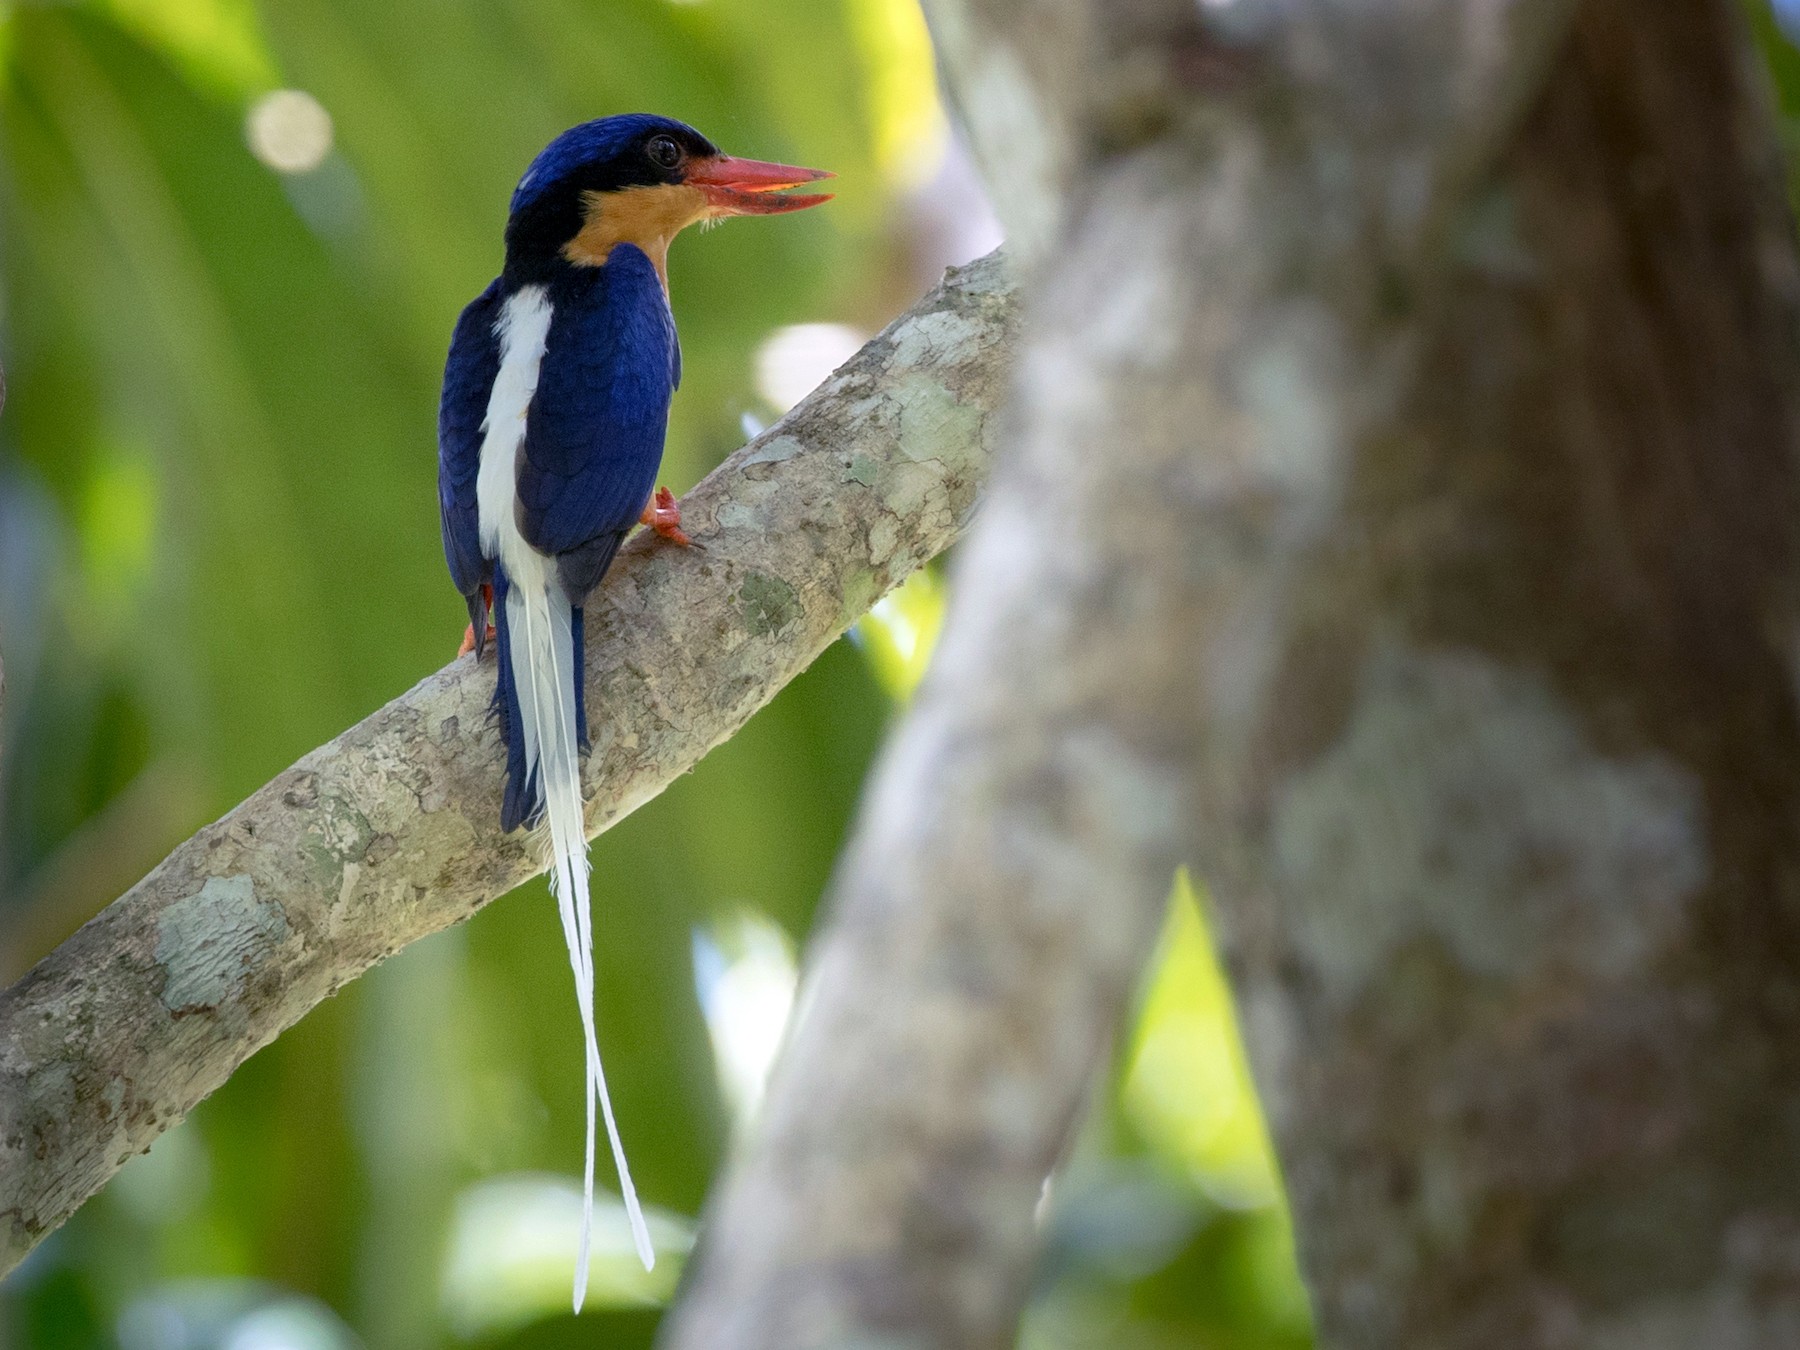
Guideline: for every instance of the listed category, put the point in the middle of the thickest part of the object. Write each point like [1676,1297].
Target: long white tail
[539,623]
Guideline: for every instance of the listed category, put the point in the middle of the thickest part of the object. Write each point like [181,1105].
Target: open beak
[750,187]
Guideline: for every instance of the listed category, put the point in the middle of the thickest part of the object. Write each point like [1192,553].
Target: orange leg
[487,605]
[662,513]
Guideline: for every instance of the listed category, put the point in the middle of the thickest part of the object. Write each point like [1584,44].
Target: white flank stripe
[540,634]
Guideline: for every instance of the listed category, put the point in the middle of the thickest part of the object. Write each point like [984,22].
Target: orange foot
[487,605]
[662,513]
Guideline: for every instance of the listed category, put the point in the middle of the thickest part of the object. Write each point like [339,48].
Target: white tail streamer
[540,624]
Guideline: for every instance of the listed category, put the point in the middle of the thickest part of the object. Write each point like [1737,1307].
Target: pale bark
[1514,914]
[391,832]
[1224,321]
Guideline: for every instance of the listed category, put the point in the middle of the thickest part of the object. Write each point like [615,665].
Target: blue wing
[468,380]
[594,435]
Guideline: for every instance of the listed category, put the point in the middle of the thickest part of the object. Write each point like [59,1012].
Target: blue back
[594,434]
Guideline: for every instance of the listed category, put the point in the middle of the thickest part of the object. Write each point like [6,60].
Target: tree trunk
[1517,932]
[1446,350]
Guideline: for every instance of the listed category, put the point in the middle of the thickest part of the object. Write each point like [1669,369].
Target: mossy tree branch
[390,832]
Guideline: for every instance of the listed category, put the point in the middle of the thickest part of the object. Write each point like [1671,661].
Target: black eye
[663,152]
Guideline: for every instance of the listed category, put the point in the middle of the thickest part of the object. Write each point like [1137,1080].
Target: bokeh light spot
[901,89]
[512,1244]
[898,635]
[289,130]
[793,361]
[746,977]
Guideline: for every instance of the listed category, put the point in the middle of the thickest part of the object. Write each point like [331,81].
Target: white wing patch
[523,329]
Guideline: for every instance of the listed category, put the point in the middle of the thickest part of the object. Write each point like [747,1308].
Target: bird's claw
[468,642]
[662,513]
[487,606]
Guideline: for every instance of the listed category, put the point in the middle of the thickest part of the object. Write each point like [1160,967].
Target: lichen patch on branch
[210,942]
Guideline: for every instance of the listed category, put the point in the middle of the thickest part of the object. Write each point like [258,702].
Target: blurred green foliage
[218,548]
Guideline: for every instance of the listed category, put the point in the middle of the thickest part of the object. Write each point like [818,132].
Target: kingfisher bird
[550,434]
